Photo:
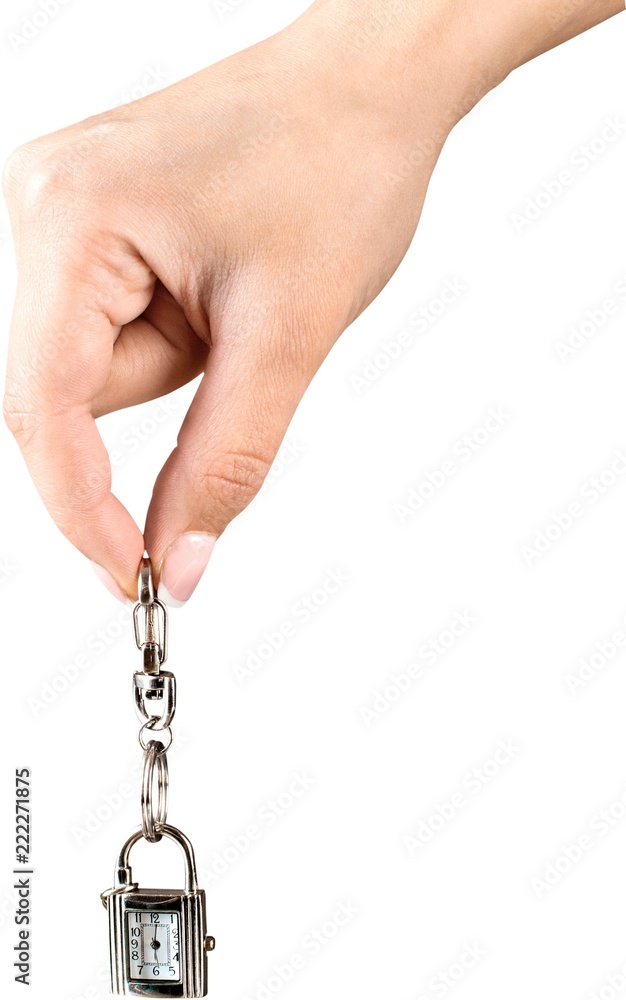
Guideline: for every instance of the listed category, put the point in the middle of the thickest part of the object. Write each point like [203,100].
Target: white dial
[153,943]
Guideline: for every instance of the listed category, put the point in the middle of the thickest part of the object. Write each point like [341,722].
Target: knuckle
[61,166]
[28,172]
[15,169]
[44,188]
[21,420]
[232,480]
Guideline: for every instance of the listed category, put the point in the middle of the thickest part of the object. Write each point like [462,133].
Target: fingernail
[110,583]
[184,563]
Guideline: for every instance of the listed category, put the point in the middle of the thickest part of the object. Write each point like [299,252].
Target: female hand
[233,224]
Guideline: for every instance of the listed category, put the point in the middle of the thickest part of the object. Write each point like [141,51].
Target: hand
[233,224]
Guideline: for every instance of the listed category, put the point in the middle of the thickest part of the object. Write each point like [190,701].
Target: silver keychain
[157,937]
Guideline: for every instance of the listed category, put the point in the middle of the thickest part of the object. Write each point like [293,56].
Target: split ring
[150,724]
[151,822]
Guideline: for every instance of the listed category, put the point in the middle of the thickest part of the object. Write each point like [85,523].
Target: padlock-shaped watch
[158,940]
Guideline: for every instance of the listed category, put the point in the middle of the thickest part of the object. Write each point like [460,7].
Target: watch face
[153,946]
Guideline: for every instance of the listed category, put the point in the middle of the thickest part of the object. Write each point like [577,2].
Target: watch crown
[209,943]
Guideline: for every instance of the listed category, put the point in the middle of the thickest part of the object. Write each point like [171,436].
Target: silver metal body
[126,902]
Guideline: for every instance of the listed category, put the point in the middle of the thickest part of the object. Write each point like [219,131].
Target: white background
[333,509]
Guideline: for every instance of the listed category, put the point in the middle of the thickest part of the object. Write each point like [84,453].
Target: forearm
[526,28]
[518,30]
[512,33]
[469,46]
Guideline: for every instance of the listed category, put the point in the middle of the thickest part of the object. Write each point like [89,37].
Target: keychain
[157,937]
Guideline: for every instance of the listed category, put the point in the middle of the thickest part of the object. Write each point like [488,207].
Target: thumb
[225,449]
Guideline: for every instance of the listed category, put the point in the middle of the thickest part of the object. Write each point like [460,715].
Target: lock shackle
[124,876]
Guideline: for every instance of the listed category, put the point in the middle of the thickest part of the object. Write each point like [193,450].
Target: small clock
[158,940]
[153,946]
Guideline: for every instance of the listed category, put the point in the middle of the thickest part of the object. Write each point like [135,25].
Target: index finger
[60,351]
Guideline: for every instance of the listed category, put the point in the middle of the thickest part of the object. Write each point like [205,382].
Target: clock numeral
[156,971]
[155,917]
[172,970]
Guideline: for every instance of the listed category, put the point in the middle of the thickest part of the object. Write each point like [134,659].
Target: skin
[233,224]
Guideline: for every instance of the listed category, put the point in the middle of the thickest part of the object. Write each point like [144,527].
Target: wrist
[424,61]
[449,53]
[508,35]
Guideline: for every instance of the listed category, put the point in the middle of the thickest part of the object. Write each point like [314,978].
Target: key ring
[154,757]
[150,725]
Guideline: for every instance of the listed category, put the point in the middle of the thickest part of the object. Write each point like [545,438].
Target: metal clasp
[152,639]
[155,687]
